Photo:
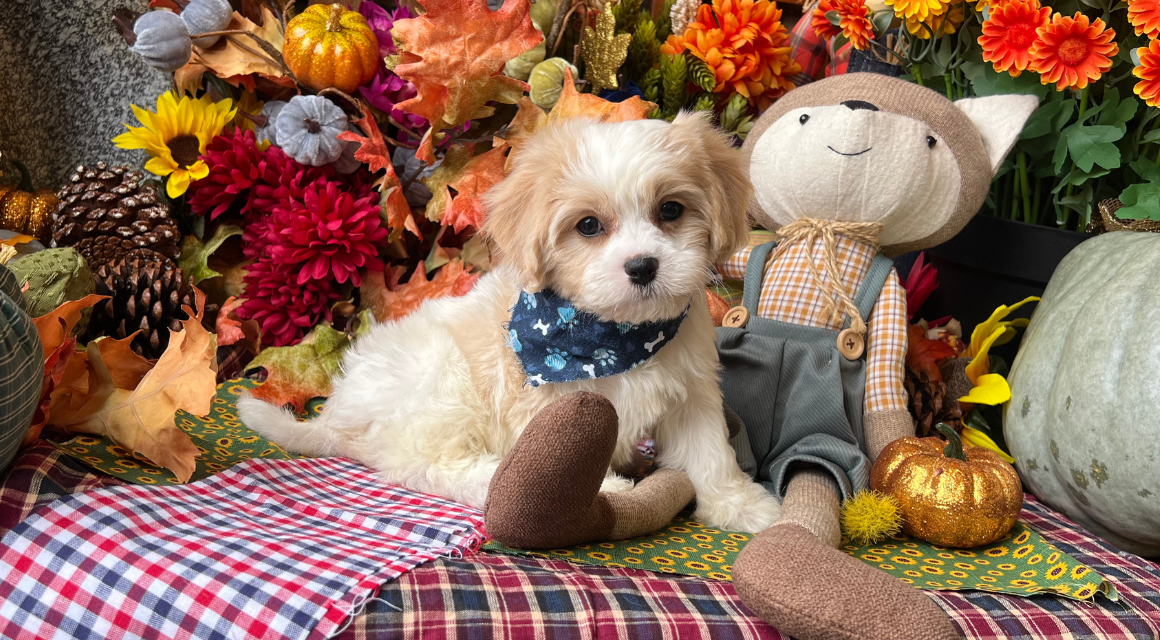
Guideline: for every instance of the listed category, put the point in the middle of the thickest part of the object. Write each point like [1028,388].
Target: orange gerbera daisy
[1145,16]
[1072,51]
[853,21]
[1009,33]
[1148,88]
[746,46]
[821,24]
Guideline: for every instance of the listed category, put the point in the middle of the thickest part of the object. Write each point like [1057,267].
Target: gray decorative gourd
[308,128]
[1084,419]
[270,111]
[205,16]
[162,40]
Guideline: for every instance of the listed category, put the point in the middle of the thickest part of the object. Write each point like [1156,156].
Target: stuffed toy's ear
[999,119]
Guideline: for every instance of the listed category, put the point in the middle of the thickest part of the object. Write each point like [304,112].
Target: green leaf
[834,18]
[301,372]
[1146,169]
[1042,121]
[195,254]
[1091,145]
[987,82]
[1078,178]
[1120,113]
[881,21]
[1141,202]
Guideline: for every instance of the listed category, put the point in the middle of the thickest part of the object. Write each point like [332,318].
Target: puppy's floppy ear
[999,120]
[518,216]
[726,180]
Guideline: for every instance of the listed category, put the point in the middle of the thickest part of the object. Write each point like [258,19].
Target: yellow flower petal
[980,365]
[987,327]
[977,438]
[201,118]
[161,166]
[198,170]
[991,389]
[178,183]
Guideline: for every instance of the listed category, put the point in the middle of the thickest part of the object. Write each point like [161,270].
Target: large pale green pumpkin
[1084,418]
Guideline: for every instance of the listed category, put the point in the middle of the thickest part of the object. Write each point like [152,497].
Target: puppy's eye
[804,119]
[671,211]
[589,227]
[930,141]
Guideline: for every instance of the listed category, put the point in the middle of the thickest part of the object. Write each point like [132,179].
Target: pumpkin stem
[336,11]
[25,176]
[954,448]
[312,126]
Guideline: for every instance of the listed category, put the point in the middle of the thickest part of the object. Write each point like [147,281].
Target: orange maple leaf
[394,301]
[924,354]
[374,151]
[454,55]
[471,177]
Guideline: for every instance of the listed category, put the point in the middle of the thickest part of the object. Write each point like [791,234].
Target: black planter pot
[992,262]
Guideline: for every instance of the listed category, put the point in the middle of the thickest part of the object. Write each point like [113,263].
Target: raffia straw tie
[836,298]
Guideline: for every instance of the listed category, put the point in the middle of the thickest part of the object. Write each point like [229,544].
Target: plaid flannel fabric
[814,55]
[266,549]
[21,367]
[494,596]
[40,475]
[788,294]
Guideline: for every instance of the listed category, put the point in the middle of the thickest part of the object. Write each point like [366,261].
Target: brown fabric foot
[811,591]
[546,492]
[813,501]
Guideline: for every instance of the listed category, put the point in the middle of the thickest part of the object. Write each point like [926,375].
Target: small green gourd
[547,80]
[308,128]
[162,40]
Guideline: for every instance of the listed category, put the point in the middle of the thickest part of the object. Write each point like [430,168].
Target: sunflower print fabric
[1022,564]
[221,438]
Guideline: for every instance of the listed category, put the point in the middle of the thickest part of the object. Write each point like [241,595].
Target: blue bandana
[557,343]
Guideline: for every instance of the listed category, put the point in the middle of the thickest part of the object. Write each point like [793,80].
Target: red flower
[1072,51]
[920,283]
[235,166]
[285,181]
[284,309]
[328,236]
[1009,33]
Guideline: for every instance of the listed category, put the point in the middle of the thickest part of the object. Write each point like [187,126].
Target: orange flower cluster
[746,46]
[853,21]
[1144,15]
[1067,51]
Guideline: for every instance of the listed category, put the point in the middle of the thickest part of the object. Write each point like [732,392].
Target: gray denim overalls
[800,400]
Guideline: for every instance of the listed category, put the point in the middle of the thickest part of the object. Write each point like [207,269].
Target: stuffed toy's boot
[546,493]
[793,576]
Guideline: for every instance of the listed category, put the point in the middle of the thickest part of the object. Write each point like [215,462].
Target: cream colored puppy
[435,401]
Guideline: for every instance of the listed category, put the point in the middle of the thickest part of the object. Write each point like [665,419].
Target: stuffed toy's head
[864,147]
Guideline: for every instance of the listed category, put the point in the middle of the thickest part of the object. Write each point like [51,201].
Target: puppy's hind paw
[750,509]
[615,484]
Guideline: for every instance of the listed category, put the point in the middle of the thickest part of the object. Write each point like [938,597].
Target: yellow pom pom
[869,517]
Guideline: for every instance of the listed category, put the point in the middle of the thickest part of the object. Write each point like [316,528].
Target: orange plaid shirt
[788,294]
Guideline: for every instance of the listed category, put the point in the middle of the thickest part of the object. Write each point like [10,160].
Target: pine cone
[113,209]
[931,404]
[147,291]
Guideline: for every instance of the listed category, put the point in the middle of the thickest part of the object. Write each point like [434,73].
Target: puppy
[436,400]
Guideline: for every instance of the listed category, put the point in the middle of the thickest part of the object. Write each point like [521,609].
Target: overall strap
[871,286]
[754,269]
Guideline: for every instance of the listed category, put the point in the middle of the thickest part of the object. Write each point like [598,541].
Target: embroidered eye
[930,141]
[804,119]
[589,227]
[671,211]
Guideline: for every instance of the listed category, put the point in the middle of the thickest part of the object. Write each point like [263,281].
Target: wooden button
[736,317]
[850,344]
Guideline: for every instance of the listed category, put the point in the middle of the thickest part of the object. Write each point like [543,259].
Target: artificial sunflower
[1072,51]
[1144,15]
[991,388]
[176,136]
[746,46]
[947,21]
[917,10]
[1009,33]
[1148,88]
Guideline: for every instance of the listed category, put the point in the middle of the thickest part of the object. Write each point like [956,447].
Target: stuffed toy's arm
[886,415]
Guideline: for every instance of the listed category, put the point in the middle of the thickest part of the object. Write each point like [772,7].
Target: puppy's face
[623,219]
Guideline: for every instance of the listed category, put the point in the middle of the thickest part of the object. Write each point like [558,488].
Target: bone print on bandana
[557,343]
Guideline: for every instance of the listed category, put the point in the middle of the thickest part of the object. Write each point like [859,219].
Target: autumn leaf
[142,419]
[394,301]
[455,54]
[239,55]
[373,150]
[471,177]
[56,325]
[195,254]
[229,329]
[924,354]
[296,374]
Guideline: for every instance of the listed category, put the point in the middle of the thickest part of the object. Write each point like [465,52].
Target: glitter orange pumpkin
[948,495]
[330,46]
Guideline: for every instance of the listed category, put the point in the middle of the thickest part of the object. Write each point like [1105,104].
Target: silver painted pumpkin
[205,16]
[308,128]
[269,133]
[162,40]
[1084,419]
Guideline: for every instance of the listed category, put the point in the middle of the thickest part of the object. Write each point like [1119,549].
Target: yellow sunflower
[176,136]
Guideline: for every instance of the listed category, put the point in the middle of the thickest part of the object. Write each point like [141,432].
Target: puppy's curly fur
[435,401]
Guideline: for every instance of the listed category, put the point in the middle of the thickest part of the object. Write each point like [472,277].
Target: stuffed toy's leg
[794,577]
[546,492]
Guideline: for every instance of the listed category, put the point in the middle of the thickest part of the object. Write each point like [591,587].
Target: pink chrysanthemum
[235,166]
[330,235]
[284,309]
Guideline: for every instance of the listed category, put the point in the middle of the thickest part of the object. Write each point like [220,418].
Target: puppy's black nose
[641,271]
[859,104]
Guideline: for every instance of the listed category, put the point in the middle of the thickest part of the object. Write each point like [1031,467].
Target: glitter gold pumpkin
[949,496]
[330,46]
[24,210]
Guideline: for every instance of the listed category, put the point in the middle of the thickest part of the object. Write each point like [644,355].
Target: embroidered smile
[848,154]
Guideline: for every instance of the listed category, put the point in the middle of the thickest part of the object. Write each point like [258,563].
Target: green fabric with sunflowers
[220,437]
[1022,564]
[685,546]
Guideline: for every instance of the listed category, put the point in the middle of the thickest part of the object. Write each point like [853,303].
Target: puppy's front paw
[615,484]
[748,507]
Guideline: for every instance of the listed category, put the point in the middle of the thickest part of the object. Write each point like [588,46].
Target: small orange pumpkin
[329,46]
[24,210]
[948,496]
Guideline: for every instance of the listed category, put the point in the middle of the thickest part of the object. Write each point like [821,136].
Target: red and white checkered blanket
[267,549]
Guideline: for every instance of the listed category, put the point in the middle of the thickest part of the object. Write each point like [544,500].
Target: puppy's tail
[311,438]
